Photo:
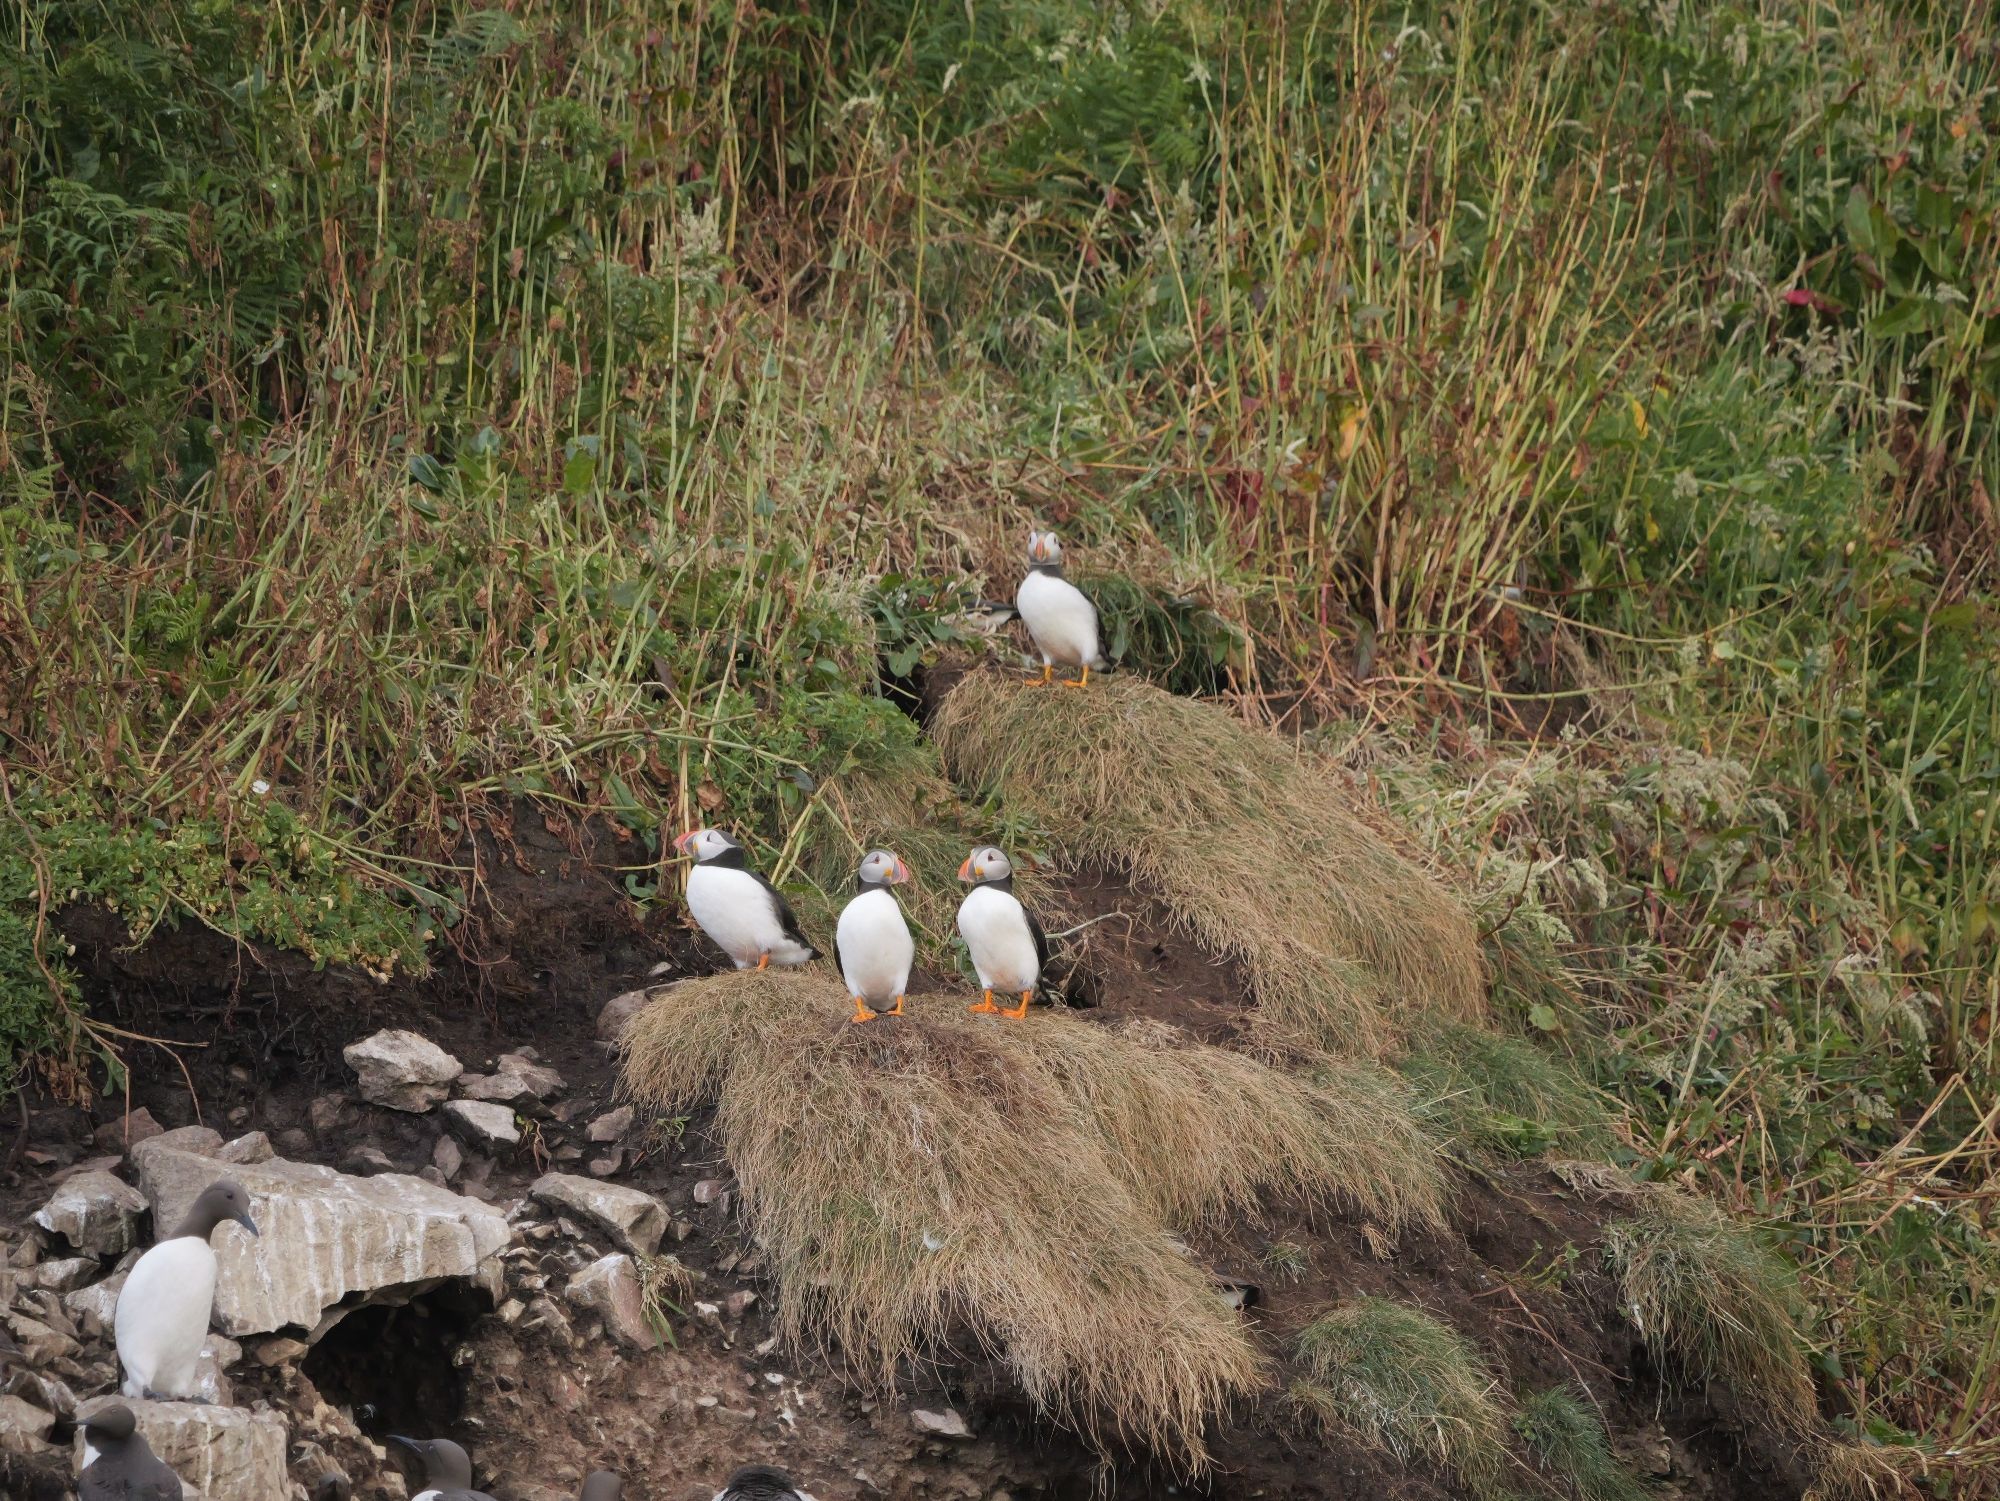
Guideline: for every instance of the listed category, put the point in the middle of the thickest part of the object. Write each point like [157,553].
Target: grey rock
[635,1220]
[610,1288]
[446,1157]
[293,1142]
[92,1306]
[402,1070]
[946,1424]
[95,1212]
[39,1344]
[281,1351]
[218,1354]
[739,1302]
[23,1425]
[252,1147]
[517,1080]
[604,1167]
[326,1112]
[366,1161]
[618,1013]
[483,1123]
[200,1140]
[221,1453]
[126,1131]
[325,1236]
[68,1274]
[612,1125]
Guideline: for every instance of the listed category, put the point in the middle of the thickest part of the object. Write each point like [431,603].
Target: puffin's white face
[986,864]
[1044,548]
[882,868]
[705,844]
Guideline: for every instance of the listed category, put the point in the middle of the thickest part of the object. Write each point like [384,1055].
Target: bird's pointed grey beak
[242,1217]
[413,1445]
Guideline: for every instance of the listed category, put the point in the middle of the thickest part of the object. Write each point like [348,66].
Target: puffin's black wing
[787,919]
[1041,938]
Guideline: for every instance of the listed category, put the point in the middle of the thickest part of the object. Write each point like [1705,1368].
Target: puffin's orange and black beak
[686,842]
[966,872]
[902,872]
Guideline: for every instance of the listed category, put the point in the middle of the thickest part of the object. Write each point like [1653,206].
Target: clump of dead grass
[1705,1292]
[1409,1383]
[920,1181]
[1249,844]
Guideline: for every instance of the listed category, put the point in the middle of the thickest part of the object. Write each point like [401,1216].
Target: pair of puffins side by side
[750,921]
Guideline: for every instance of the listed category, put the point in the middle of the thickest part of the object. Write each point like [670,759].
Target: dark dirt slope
[553,940]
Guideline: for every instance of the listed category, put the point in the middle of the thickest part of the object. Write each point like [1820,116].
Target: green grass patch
[1565,1436]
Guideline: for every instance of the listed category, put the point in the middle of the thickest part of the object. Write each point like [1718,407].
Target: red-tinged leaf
[1806,297]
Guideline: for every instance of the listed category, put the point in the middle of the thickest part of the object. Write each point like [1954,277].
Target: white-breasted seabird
[447,1469]
[872,942]
[1007,944]
[761,1483]
[119,1465]
[746,915]
[162,1313]
[1058,615]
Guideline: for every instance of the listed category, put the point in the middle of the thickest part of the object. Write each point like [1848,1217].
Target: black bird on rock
[119,1465]
[761,1483]
[447,1469]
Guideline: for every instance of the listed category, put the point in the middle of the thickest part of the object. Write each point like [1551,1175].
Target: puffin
[447,1469]
[1059,616]
[118,1463]
[747,917]
[761,1483]
[601,1485]
[1007,944]
[872,942]
[162,1312]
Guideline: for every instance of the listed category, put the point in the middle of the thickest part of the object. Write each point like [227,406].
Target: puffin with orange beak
[1007,945]
[746,915]
[872,942]
[1058,615]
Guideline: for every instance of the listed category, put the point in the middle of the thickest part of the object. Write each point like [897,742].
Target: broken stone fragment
[484,1125]
[712,1191]
[612,1125]
[446,1157]
[739,1302]
[618,1013]
[341,1235]
[946,1424]
[253,1147]
[200,1140]
[635,1220]
[95,1213]
[610,1288]
[92,1306]
[23,1426]
[516,1080]
[221,1453]
[402,1070]
[67,1274]
[126,1131]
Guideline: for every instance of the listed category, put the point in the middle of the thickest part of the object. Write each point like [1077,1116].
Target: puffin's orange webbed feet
[985,1007]
[1080,682]
[1021,1010]
[763,961]
[861,1011]
[895,1010]
[1048,672]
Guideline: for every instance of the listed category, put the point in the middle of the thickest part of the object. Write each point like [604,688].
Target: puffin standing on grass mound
[119,1465]
[161,1316]
[1060,618]
[1007,945]
[746,915]
[872,942]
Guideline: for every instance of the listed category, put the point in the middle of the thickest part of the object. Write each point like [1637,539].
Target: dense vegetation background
[1578,415]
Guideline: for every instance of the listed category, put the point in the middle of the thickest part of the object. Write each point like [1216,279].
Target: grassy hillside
[1575,420]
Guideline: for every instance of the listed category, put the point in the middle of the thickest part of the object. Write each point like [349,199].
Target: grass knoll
[1247,843]
[946,1178]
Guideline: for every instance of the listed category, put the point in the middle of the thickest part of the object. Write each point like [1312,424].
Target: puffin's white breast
[995,927]
[735,910]
[162,1316]
[1060,617]
[876,950]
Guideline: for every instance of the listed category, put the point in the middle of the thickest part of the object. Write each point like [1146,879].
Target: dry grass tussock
[1251,846]
[1702,1290]
[1409,1383]
[920,1182]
